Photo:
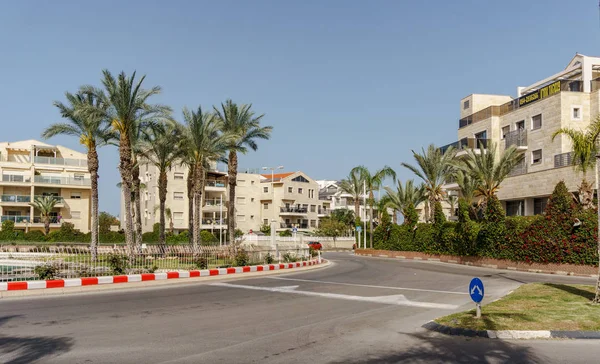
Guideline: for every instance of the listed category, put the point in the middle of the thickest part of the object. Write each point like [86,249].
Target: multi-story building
[31,168]
[333,198]
[569,98]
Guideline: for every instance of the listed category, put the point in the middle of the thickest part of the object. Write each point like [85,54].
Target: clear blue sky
[342,82]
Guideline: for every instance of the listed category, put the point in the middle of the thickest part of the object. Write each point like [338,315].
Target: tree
[330,227]
[346,217]
[467,185]
[373,182]
[105,221]
[585,149]
[405,195]
[129,108]
[45,205]
[202,142]
[452,200]
[93,131]
[353,186]
[157,147]
[265,229]
[434,167]
[244,126]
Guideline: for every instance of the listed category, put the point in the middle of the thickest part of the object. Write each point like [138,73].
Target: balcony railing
[63,181]
[519,169]
[61,161]
[15,219]
[40,220]
[15,178]
[563,160]
[299,210]
[214,202]
[517,138]
[59,199]
[291,226]
[15,198]
[214,222]
[467,143]
[323,212]
[215,184]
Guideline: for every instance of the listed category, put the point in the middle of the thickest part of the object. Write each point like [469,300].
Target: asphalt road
[360,310]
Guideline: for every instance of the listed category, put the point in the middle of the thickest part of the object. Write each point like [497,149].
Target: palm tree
[353,186]
[467,185]
[168,215]
[241,122]
[128,109]
[452,200]
[202,141]
[486,171]
[583,156]
[434,167]
[405,195]
[157,148]
[373,182]
[93,131]
[45,205]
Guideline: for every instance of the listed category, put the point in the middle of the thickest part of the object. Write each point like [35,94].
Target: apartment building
[569,98]
[333,198]
[31,168]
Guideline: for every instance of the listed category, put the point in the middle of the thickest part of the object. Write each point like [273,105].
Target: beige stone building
[569,98]
[31,168]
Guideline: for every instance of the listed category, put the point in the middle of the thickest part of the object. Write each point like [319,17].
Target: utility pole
[365,208]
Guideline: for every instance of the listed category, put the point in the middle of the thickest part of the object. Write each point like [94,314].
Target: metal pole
[221,221]
[365,208]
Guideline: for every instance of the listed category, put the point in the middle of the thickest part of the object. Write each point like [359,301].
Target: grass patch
[535,306]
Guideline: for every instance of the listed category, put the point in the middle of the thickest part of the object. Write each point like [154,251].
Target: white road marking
[369,286]
[398,299]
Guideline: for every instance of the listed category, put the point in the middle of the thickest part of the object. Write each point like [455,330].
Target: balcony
[293,210]
[62,181]
[563,160]
[323,212]
[214,185]
[461,146]
[519,169]
[16,219]
[81,163]
[54,220]
[59,200]
[518,138]
[214,223]
[15,178]
[15,199]
[214,205]
[284,225]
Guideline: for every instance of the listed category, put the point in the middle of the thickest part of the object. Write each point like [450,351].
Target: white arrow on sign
[478,289]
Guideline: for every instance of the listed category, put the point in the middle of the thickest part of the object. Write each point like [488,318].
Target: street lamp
[273,200]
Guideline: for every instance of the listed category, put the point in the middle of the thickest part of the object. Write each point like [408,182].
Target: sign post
[358,230]
[476,292]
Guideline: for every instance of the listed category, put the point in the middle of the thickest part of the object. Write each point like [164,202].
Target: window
[311,193]
[515,208]
[266,189]
[313,223]
[300,190]
[177,195]
[241,200]
[76,195]
[266,221]
[520,125]
[466,104]
[266,206]
[313,208]
[178,175]
[252,199]
[576,115]
[177,216]
[241,217]
[78,177]
[290,189]
[536,122]
[251,217]
[539,205]
[75,215]
[536,156]
[505,131]
[300,179]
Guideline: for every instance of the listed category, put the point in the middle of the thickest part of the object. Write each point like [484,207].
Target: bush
[241,258]
[289,258]
[47,271]
[285,233]
[208,238]
[201,263]
[269,259]
[466,230]
[67,234]
[35,236]
[117,262]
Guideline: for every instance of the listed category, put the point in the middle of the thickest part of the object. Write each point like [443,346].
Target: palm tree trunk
[125,169]
[198,187]
[162,198]
[395,217]
[47,224]
[597,298]
[232,166]
[371,219]
[93,166]
[190,194]
[357,207]
[138,205]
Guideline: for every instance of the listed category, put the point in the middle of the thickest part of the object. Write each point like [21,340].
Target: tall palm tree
[157,148]
[584,153]
[405,195]
[488,172]
[93,131]
[373,182]
[434,167]
[241,122]
[128,109]
[187,160]
[45,205]
[353,186]
[202,141]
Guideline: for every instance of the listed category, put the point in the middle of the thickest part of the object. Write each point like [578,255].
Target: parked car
[315,245]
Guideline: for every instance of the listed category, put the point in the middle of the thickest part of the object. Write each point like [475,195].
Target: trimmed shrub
[35,236]
[285,233]
[241,258]
[411,216]
[46,271]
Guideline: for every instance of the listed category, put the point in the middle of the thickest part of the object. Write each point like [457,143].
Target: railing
[61,161]
[214,202]
[323,212]
[15,219]
[40,220]
[215,184]
[214,222]
[519,169]
[17,158]
[563,160]
[62,180]
[291,226]
[299,210]
[467,143]
[15,198]
[517,138]
[15,178]
[59,199]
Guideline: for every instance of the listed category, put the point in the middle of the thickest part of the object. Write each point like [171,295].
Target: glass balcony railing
[214,202]
[214,221]
[215,184]
[16,178]
[63,181]
[15,198]
[61,161]
[467,143]
[291,226]
[40,220]
[16,219]
[59,199]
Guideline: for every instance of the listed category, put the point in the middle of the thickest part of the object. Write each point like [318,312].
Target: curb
[131,278]
[512,334]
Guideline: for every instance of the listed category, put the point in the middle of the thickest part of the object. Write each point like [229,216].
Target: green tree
[434,167]
[405,195]
[345,216]
[412,216]
[93,131]
[438,216]
[353,186]
[373,182]
[467,185]
[105,220]
[45,205]
[331,228]
[244,126]
[265,229]
[585,149]
[157,147]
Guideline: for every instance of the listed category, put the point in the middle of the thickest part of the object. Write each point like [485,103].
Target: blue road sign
[476,290]
[294,229]
[359,228]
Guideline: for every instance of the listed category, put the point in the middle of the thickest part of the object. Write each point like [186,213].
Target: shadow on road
[452,349]
[17,350]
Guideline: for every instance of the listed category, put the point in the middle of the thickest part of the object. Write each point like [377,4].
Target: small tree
[45,205]
[106,220]
[438,216]
[466,229]
[411,216]
[265,229]
[332,228]
[493,226]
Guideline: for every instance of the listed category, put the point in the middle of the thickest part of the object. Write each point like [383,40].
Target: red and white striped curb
[91,281]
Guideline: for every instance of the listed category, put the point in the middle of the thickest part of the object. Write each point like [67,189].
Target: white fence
[300,240]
